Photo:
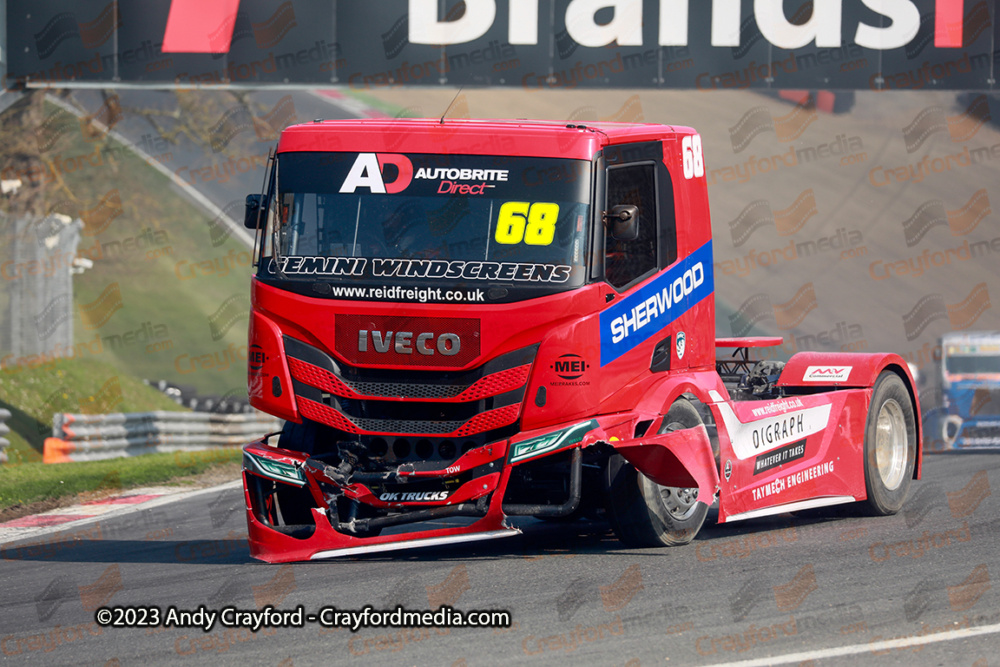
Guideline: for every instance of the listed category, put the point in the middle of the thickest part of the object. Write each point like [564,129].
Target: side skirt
[792,507]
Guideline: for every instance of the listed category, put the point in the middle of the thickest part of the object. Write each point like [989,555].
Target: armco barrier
[4,430]
[94,437]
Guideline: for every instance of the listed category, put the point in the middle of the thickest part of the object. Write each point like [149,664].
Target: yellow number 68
[535,224]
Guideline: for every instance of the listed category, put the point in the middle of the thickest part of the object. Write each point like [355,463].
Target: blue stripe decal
[645,313]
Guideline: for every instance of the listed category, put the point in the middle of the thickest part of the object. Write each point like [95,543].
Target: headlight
[283,472]
[551,441]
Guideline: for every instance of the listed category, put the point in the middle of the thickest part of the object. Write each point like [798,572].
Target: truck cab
[968,377]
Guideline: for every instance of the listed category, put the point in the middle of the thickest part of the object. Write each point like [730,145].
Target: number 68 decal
[694,161]
[533,223]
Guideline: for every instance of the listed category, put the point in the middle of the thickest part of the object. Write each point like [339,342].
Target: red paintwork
[266,334]
[467,137]
[842,441]
[472,459]
[864,367]
[623,396]
[200,27]
[681,458]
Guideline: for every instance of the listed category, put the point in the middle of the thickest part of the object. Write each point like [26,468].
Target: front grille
[491,385]
[481,401]
[981,433]
[391,389]
[985,402]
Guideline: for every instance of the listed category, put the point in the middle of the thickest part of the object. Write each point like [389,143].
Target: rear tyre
[890,445]
[645,514]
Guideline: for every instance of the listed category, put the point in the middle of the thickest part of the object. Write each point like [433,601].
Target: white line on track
[125,509]
[873,647]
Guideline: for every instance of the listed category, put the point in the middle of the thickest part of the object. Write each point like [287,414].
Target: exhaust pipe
[567,508]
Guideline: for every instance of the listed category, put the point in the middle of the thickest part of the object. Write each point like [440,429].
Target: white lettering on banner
[762,435]
[823,25]
[658,304]
[827,373]
[905,18]
[625,28]
[473,24]
[367,173]
[902,20]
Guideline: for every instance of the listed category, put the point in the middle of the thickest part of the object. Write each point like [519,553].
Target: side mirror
[624,222]
[254,204]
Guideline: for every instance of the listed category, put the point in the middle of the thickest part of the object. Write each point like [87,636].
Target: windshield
[972,364]
[433,220]
[978,357]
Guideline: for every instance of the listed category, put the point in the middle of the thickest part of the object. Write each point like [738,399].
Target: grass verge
[34,487]
[86,386]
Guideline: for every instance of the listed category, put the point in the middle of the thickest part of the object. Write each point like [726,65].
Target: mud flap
[680,459]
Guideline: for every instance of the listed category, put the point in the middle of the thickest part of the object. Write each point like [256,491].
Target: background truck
[964,389]
[467,321]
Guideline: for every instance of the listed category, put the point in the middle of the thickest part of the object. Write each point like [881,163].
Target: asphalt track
[911,589]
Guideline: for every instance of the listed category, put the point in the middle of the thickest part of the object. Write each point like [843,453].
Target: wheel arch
[864,371]
[696,386]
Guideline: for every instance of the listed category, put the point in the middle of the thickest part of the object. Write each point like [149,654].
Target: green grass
[86,386]
[33,482]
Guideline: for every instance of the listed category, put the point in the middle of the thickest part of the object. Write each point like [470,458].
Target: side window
[627,261]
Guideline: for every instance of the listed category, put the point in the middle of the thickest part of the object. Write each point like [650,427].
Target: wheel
[645,514]
[890,445]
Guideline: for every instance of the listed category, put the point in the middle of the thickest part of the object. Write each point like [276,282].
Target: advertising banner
[534,44]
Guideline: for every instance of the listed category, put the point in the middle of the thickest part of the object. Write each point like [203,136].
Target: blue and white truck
[968,376]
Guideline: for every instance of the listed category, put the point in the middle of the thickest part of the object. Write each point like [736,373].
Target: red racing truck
[466,321]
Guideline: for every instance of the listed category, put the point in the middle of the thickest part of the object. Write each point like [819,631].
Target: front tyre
[645,514]
[299,437]
[890,445]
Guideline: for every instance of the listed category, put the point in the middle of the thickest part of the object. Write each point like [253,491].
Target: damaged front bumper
[303,508]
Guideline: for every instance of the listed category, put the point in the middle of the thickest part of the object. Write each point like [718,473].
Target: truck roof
[970,337]
[528,138]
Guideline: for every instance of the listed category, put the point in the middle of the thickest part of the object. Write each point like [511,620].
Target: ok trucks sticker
[646,312]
